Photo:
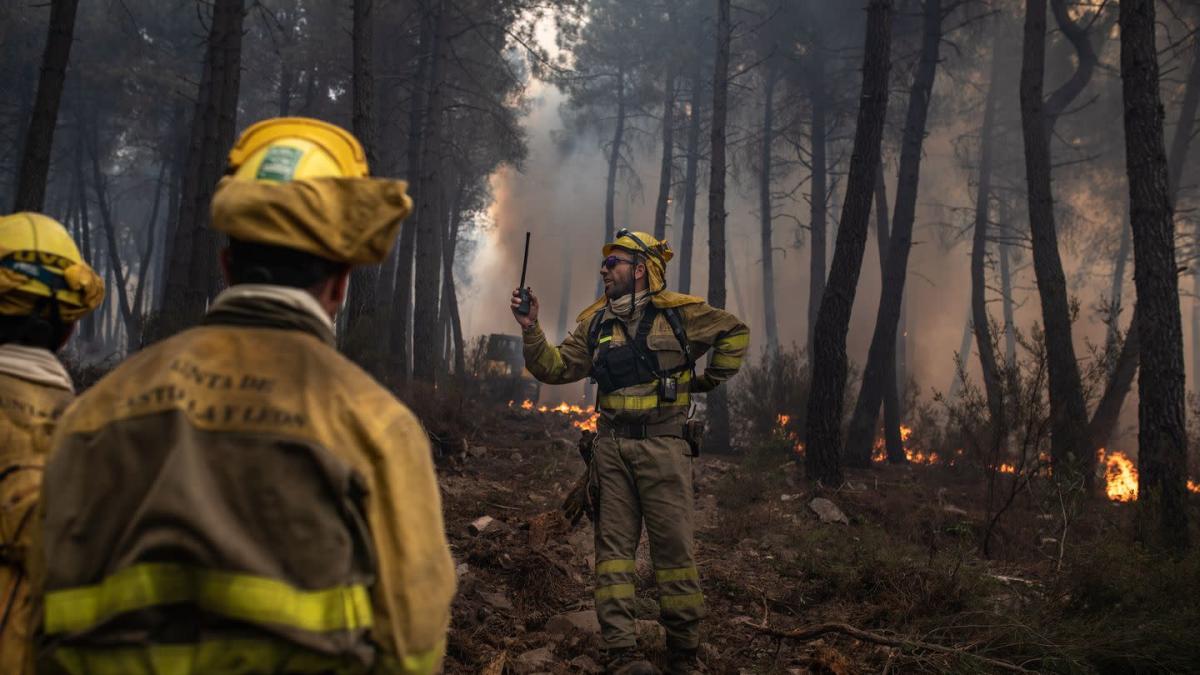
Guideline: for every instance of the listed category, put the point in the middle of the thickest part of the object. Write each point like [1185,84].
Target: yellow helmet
[655,253]
[287,148]
[38,260]
[641,243]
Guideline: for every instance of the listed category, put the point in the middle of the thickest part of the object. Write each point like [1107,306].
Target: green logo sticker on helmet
[279,164]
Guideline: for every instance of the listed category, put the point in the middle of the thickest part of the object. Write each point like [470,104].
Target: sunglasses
[612,261]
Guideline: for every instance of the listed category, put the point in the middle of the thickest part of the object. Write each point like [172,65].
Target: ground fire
[1119,471]
[581,418]
[1121,476]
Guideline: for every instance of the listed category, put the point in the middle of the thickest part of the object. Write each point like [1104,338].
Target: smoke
[559,198]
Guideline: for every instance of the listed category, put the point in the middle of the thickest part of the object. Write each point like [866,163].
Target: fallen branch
[813,632]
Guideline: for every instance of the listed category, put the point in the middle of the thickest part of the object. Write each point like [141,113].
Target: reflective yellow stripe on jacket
[648,402]
[237,596]
[617,401]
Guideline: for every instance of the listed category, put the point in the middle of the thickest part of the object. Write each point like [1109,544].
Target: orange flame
[1120,476]
[920,457]
[879,450]
[914,455]
[781,422]
[585,419]
[588,424]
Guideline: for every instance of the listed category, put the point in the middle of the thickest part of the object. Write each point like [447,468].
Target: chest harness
[632,362]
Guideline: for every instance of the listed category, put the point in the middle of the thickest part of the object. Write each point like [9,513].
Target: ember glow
[878,449]
[781,424]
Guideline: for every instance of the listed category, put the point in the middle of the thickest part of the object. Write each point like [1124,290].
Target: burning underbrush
[581,418]
[1116,469]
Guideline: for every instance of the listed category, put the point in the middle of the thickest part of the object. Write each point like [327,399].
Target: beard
[618,288]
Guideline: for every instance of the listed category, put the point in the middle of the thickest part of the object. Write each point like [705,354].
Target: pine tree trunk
[964,355]
[614,159]
[830,363]
[891,401]
[717,439]
[979,314]
[460,356]
[121,289]
[362,309]
[1006,292]
[25,98]
[39,140]
[887,318]
[1117,289]
[311,98]
[690,184]
[1108,411]
[399,279]
[1069,444]
[1120,382]
[668,155]
[146,269]
[564,302]
[178,159]
[88,330]
[1162,428]
[1010,336]
[818,194]
[192,272]
[449,293]
[429,223]
[401,333]
[765,214]
[1180,142]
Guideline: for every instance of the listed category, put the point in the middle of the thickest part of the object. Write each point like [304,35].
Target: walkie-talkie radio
[522,290]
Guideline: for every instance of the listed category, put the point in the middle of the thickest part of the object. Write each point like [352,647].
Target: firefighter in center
[641,342]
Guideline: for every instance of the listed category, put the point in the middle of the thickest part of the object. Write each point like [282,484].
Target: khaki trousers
[651,480]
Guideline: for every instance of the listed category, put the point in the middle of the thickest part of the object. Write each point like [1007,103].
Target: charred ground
[1062,590]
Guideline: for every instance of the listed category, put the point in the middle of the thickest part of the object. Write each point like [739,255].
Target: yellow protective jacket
[706,328]
[238,499]
[34,389]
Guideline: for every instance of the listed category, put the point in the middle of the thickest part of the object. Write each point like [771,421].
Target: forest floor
[904,563]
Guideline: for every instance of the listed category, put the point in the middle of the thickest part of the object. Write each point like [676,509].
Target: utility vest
[633,362]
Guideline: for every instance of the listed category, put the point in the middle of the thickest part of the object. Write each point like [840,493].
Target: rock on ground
[827,511]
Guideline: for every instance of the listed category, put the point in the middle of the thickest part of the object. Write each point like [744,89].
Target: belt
[641,431]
